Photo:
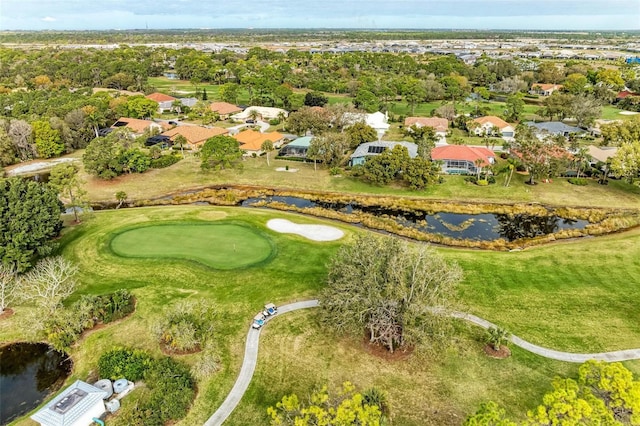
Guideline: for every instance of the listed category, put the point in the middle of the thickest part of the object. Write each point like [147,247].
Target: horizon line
[327,28]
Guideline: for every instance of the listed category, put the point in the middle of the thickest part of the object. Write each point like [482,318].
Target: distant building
[553,128]
[439,125]
[544,89]
[369,149]
[224,109]
[486,126]
[138,126]
[251,141]
[196,136]
[297,148]
[264,113]
[462,159]
[165,102]
[377,120]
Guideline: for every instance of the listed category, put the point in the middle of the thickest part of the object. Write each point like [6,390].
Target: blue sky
[459,14]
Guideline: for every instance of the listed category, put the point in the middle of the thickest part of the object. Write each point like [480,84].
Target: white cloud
[48,19]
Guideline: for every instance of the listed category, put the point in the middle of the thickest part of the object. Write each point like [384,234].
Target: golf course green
[219,246]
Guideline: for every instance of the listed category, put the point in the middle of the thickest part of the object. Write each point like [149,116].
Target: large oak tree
[392,290]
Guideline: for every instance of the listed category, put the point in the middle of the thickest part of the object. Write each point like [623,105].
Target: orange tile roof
[195,135]
[462,152]
[439,124]
[251,140]
[160,97]
[136,125]
[492,119]
[224,108]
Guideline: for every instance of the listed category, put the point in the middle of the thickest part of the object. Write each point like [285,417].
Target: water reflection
[479,227]
[28,373]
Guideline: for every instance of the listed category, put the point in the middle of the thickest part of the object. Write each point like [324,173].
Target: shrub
[172,390]
[334,171]
[165,161]
[274,122]
[119,363]
[65,327]
[497,337]
[185,326]
[169,389]
[208,364]
[578,181]
[482,182]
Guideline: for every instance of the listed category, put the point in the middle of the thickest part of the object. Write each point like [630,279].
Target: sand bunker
[312,232]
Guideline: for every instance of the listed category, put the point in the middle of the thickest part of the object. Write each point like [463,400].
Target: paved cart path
[253,339]
[249,365]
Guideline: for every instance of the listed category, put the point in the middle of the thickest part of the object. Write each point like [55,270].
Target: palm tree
[581,156]
[267,146]
[497,337]
[253,114]
[180,140]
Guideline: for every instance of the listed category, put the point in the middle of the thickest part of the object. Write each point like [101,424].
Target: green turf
[220,246]
[578,295]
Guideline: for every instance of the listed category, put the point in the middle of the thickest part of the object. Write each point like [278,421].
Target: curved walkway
[249,365]
[253,338]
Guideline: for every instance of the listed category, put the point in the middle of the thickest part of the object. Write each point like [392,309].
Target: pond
[478,227]
[28,373]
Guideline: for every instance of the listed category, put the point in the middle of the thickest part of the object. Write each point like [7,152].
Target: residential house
[263,113]
[544,89]
[297,148]
[601,154]
[552,128]
[439,125]
[224,109]
[462,159]
[165,102]
[138,126]
[368,149]
[486,126]
[378,121]
[196,136]
[251,141]
[77,405]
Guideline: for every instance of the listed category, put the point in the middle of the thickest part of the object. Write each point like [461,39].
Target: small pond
[28,373]
[478,227]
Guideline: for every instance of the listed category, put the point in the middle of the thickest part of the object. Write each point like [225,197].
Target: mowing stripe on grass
[220,246]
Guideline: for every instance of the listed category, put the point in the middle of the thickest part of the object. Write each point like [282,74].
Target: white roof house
[266,113]
[77,405]
[378,121]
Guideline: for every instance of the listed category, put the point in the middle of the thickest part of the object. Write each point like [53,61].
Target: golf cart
[270,309]
[258,321]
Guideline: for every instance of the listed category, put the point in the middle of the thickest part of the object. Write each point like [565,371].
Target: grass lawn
[578,295]
[186,174]
[220,246]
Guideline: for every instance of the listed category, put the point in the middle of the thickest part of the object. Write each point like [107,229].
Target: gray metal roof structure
[69,405]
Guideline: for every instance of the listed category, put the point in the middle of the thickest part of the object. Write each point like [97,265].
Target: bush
[185,326]
[172,390]
[334,171]
[482,182]
[170,387]
[165,161]
[274,122]
[119,363]
[577,181]
[65,327]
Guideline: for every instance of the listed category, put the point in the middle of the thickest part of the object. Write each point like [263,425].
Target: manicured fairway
[220,246]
